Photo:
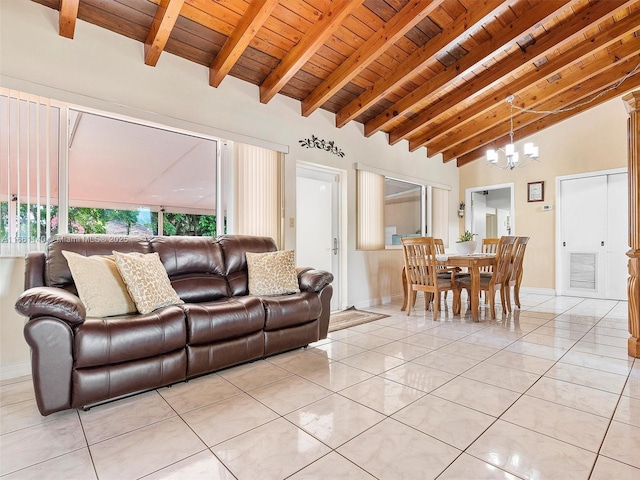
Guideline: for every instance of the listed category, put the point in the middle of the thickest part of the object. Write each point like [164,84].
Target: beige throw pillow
[272,273]
[147,280]
[99,285]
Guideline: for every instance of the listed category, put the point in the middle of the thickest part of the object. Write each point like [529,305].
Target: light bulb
[509,149]
[492,156]
[528,149]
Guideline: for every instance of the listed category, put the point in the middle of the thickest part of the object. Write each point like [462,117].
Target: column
[632,104]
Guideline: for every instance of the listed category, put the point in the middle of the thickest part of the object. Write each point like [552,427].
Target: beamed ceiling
[434,73]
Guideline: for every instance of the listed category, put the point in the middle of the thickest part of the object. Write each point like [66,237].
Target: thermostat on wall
[546,208]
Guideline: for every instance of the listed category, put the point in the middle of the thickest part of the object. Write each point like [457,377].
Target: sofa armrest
[311,280]
[52,302]
[34,270]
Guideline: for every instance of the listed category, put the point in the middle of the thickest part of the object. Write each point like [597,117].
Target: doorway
[318,216]
[489,211]
[593,235]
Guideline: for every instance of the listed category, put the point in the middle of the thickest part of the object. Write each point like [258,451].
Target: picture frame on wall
[535,191]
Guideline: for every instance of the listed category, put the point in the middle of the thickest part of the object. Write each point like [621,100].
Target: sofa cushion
[224,319]
[146,280]
[99,285]
[195,266]
[57,272]
[234,248]
[272,273]
[290,310]
[105,341]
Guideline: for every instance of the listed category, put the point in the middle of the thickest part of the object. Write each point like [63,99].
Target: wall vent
[582,271]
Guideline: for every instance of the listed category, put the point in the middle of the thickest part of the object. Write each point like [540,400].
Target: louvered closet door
[584,231]
[593,236]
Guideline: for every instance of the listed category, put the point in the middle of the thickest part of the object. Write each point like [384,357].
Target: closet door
[584,235]
[594,236]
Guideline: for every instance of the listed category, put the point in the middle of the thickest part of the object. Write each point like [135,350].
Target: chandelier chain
[530,150]
[579,105]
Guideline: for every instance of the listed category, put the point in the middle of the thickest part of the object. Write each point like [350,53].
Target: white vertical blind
[440,214]
[258,192]
[25,173]
[370,210]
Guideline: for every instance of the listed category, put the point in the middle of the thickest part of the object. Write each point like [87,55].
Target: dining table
[473,263]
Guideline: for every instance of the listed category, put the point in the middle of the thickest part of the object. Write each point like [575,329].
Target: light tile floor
[546,393]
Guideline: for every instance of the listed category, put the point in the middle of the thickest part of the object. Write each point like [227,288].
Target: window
[132,179]
[389,208]
[120,176]
[403,207]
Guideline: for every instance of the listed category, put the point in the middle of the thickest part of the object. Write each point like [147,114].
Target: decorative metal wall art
[315,142]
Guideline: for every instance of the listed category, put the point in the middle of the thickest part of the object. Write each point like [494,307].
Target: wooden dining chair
[443,269]
[499,278]
[421,270]
[515,272]
[489,245]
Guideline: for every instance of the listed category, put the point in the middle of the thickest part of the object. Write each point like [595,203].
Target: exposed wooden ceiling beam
[68,17]
[548,121]
[161,26]
[319,33]
[453,33]
[386,36]
[568,80]
[471,60]
[237,42]
[568,31]
[575,95]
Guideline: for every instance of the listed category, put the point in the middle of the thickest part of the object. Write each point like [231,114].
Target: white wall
[14,352]
[105,71]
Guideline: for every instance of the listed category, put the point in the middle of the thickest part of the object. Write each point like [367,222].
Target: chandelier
[512,158]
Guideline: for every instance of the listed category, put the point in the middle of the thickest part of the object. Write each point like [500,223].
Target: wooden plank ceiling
[435,73]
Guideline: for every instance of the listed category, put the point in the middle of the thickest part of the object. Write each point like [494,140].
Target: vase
[466,248]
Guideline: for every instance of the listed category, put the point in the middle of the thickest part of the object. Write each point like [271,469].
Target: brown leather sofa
[78,362]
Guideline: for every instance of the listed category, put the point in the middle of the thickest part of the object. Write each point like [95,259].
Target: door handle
[564,244]
[335,246]
[602,244]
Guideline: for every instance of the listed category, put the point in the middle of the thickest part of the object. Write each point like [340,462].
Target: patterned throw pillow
[272,273]
[147,280]
[99,285]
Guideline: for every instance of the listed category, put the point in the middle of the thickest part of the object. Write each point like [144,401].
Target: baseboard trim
[375,302]
[15,370]
[539,291]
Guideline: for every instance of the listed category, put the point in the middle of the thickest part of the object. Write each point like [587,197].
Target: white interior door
[594,236]
[617,242]
[318,223]
[479,212]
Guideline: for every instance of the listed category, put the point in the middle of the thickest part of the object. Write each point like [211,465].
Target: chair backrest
[489,245]
[502,268]
[439,245]
[420,260]
[517,257]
